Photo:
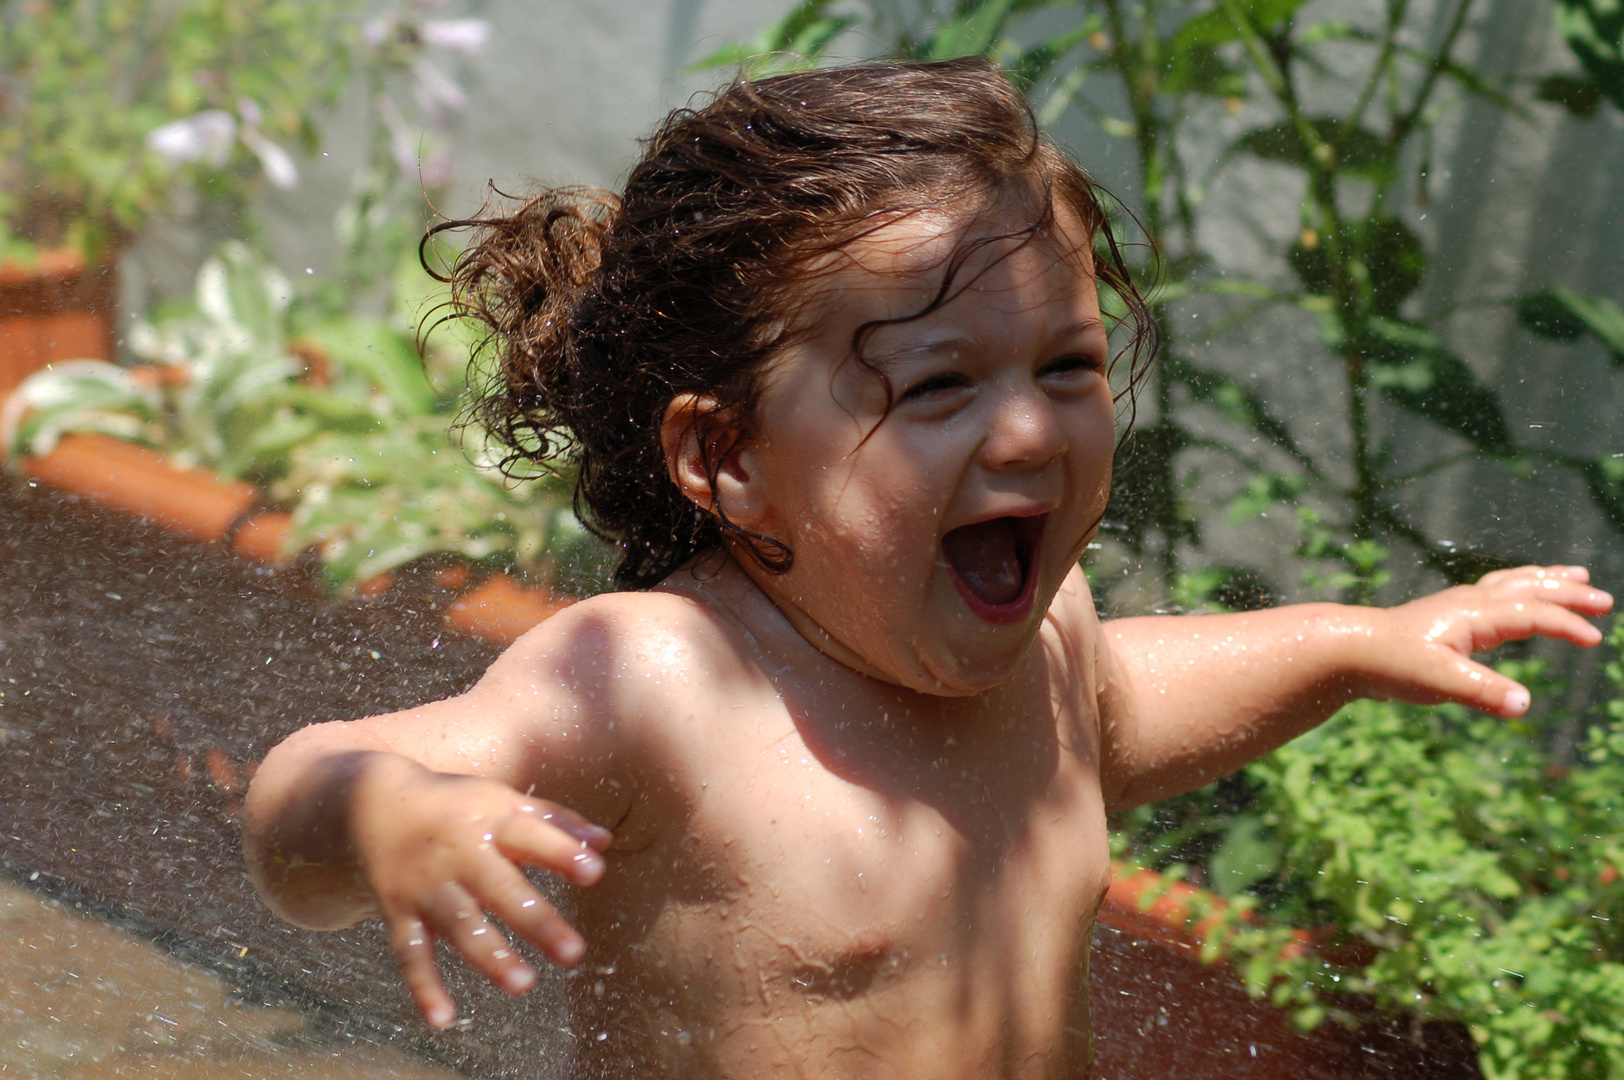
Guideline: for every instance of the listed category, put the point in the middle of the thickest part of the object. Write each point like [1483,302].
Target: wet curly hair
[600,309]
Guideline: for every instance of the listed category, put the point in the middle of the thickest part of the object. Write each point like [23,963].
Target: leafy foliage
[344,424]
[1594,29]
[1462,871]
[85,83]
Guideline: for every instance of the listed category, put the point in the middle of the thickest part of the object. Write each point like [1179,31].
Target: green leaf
[971,32]
[1396,262]
[1411,370]
[794,42]
[1545,315]
[76,395]
[1262,494]
[1217,28]
[1594,30]
[1201,70]
[381,354]
[1562,314]
[1247,856]
[1358,150]
[1034,64]
[1240,405]
[1581,97]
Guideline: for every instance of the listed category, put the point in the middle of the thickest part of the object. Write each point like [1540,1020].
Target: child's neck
[778,627]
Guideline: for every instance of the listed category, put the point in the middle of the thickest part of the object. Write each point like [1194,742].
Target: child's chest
[922,898]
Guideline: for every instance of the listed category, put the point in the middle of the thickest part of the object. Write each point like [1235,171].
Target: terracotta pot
[196,502]
[261,537]
[59,309]
[499,610]
[127,477]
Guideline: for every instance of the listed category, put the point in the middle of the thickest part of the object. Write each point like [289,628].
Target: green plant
[1594,29]
[1468,874]
[109,107]
[367,452]
[105,105]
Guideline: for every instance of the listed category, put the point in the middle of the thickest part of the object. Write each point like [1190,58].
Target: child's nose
[1026,432]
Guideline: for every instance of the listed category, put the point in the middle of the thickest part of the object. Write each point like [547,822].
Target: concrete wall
[561,93]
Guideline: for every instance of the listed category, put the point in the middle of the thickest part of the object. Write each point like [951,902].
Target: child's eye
[1065,365]
[936,384]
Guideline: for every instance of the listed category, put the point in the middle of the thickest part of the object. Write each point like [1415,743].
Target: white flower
[374,32]
[209,135]
[434,87]
[205,136]
[467,36]
[279,167]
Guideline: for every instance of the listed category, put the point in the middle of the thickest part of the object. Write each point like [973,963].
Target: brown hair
[602,309]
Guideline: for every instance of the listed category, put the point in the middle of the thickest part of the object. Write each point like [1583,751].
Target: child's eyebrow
[947,346]
[921,349]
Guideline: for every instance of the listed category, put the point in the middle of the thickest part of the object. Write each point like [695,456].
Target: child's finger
[562,817]
[1553,573]
[460,919]
[1479,687]
[1575,595]
[510,897]
[1527,618]
[538,841]
[414,952]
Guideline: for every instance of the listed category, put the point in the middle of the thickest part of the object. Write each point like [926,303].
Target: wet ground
[81,999]
[141,675]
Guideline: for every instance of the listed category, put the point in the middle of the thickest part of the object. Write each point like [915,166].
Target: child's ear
[700,439]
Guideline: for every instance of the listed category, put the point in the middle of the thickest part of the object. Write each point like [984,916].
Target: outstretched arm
[425,817]
[1185,700]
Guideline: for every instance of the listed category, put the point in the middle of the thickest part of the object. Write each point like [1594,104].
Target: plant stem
[1137,60]
[1440,62]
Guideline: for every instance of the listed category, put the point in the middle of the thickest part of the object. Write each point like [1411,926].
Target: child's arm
[1185,700]
[420,816]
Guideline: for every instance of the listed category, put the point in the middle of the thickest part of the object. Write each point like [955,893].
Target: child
[836,764]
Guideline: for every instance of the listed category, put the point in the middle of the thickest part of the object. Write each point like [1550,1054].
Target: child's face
[928,554]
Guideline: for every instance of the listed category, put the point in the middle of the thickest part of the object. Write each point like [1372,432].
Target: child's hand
[439,850]
[1422,650]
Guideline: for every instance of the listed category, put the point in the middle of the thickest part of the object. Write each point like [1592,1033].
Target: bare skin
[858,809]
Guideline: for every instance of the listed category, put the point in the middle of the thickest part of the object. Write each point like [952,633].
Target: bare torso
[819,874]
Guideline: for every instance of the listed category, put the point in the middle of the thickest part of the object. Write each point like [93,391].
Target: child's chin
[948,675]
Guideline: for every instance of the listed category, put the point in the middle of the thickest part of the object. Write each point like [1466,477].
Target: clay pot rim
[55,263]
[125,477]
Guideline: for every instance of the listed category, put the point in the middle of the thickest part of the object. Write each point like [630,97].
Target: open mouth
[993,564]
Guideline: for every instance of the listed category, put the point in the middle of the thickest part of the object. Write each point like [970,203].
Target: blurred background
[1384,239]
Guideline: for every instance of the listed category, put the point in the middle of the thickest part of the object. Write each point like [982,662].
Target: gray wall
[561,93]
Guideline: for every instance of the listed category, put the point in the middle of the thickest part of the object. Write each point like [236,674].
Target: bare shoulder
[630,652]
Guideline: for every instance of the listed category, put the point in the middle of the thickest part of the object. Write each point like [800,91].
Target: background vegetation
[114,113]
